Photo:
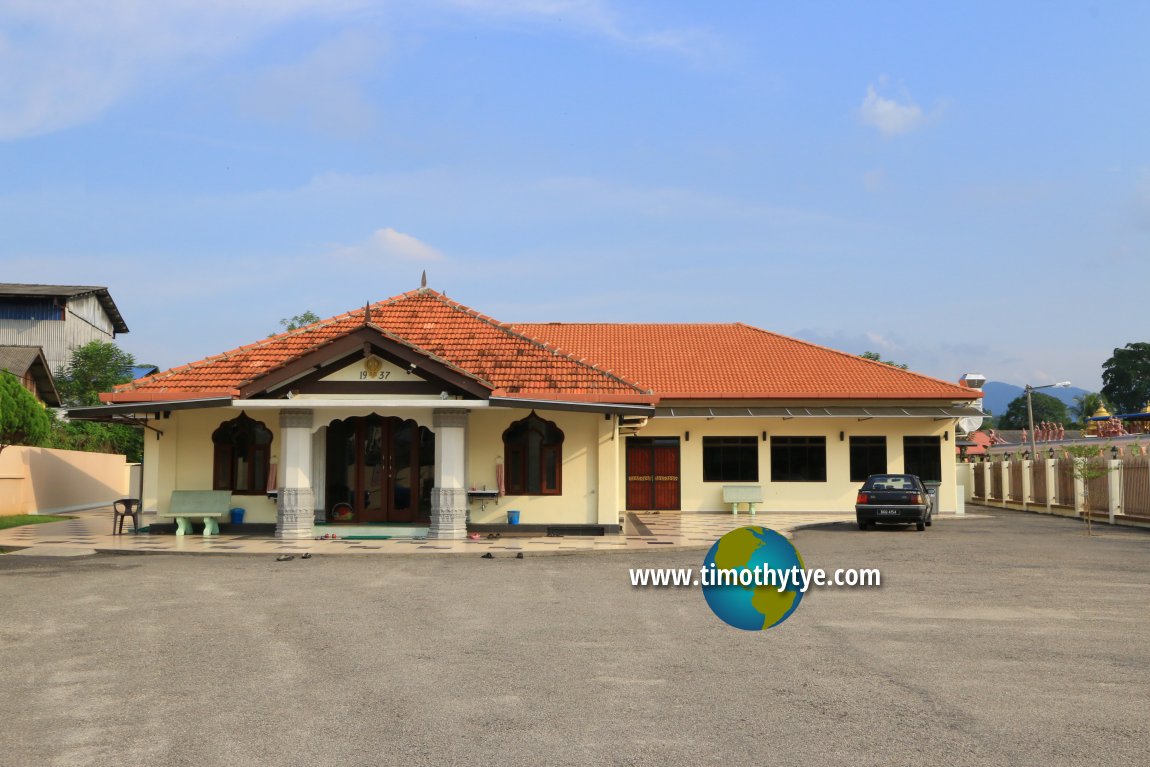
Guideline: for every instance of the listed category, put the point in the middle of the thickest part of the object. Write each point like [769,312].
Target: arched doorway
[379,470]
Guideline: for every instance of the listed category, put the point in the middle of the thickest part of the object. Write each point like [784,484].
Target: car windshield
[890,482]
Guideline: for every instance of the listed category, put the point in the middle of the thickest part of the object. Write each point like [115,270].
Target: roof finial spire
[423,280]
[367,313]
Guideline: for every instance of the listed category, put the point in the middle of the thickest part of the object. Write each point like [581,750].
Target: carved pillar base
[295,514]
[449,496]
[448,513]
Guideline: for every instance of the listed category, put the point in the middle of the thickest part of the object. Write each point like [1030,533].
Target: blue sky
[961,186]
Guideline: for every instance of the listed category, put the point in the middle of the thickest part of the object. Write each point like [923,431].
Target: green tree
[1126,377]
[1086,405]
[94,368]
[23,420]
[878,358]
[1046,408]
[1089,464]
[98,437]
[300,320]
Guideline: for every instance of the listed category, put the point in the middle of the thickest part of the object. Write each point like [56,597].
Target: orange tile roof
[594,362]
[733,360]
[502,359]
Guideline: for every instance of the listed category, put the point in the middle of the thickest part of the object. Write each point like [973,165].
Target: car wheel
[863,525]
[920,525]
[930,518]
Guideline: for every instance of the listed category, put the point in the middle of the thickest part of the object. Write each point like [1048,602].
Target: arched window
[534,451]
[242,456]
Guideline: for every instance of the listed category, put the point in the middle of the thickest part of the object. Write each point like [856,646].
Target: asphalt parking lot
[1006,640]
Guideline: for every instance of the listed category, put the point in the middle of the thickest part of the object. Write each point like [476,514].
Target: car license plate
[886,512]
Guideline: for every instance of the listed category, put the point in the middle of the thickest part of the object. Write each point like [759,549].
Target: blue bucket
[513,517]
[237,516]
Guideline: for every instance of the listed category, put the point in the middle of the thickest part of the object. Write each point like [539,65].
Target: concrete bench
[748,494]
[207,505]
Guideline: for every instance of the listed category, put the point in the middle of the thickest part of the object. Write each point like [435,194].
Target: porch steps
[368,532]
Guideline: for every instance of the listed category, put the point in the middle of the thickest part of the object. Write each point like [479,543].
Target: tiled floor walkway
[92,530]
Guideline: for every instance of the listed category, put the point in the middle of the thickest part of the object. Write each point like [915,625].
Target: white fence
[1120,495]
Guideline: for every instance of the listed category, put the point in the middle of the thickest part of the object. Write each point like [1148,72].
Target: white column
[295,507]
[608,472]
[1004,471]
[1114,478]
[1079,490]
[1027,493]
[449,496]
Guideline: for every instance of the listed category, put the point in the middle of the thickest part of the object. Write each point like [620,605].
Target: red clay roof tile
[504,360]
[595,362]
[721,361]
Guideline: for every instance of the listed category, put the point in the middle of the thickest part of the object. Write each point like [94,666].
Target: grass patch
[19,520]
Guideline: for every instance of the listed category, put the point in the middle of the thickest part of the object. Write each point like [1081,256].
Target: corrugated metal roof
[69,291]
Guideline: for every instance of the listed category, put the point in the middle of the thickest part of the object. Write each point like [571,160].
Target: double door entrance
[653,474]
[379,470]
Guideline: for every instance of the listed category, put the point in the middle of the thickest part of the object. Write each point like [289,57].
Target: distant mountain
[998,395]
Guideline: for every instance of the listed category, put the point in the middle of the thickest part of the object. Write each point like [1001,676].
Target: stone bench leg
[211,527]
[735,508]
[183,526]
[751,508]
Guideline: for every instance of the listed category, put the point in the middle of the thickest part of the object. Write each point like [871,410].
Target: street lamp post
[1030,408]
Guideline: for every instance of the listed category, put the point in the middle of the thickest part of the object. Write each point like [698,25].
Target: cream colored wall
[384,371]
[13,471]
[579,503]
[182,459]
[37,480]
[837,493]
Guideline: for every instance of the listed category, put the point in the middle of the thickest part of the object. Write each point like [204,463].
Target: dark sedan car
[893,499]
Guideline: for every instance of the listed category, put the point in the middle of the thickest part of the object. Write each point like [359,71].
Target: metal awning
[121,411]
[937,413]
[105,412]
[577,407]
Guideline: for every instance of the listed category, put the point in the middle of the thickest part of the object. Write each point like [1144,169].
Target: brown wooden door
[379,470]
[653,474]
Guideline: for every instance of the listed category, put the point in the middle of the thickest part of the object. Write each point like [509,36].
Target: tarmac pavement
[1004,639]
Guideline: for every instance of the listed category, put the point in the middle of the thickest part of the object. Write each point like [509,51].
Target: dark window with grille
[242,452]
[923,456]
[868,456]
[798,459]
[730,459]
[534,451]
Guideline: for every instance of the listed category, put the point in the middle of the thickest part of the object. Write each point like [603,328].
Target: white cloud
[73,59]
[65,62]
[324,89]
[598,17]
[874,180]
[386,245]
[881,341]
[890,117]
